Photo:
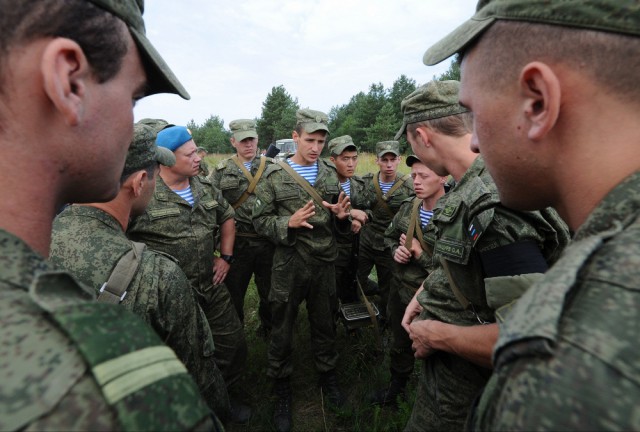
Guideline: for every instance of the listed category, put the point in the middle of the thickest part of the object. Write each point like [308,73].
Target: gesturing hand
[299,218]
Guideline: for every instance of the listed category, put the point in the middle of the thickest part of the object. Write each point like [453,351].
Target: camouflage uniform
[253,253]
[405,281]
[56,342]
[468,223]
[372,246]
[172,226]
[303,264]
[89,242]
[556,352]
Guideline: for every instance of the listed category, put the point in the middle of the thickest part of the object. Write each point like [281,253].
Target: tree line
[368,117]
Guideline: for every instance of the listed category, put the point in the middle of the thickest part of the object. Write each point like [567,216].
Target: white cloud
[229,54]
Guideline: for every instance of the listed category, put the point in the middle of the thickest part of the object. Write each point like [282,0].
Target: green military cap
[160,78]
[143,150]
[411,159]
[243,128]
[385,147]
[155,124]
[312,121]
[430,101]
[616,16]
[340,144]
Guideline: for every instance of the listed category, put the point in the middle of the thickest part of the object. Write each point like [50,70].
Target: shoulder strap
[115,289]
[252,179]
[382,198]
[413,222]
[302,182]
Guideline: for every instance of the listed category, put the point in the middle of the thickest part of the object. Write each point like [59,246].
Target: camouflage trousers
[293,281]
[368,257]
[227,331]
[401,354]
[447,387]
[345,289]
[253,256]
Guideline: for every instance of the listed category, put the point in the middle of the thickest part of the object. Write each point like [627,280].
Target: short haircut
[150,168]
[609,59]
[454,125]
[100,34]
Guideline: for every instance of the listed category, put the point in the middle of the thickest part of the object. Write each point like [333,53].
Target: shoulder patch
[450,209]
[475,230]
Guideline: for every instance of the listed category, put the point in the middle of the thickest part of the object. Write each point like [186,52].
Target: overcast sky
[229,54]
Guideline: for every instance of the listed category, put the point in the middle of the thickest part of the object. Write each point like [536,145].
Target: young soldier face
[310,146]
[426,183]
[246,148]
[346,163]
[388,164]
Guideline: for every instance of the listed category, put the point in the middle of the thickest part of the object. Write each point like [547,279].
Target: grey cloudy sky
[229,54]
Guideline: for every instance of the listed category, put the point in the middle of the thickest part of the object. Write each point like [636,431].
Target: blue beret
[173,137]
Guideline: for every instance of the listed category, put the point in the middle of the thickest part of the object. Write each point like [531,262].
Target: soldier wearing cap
[89,240]
[344,155]
[293,209]
[203,171]
[483,256]
[184,219]
[237,178]
[564,104]
[72,64]
[389,190]
[404,238]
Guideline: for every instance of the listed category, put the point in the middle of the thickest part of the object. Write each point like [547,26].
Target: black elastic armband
[518,258]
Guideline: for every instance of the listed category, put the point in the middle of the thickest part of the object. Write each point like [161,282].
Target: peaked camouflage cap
[615,16]
[243,128]
[312,121]
[143,150]
[384,147]
[155,124]
[160,78]
[340,144]
[430,101]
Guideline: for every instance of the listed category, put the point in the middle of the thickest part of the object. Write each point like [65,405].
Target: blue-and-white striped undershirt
[309,173]
[425,217]
[186,195]
[247,165]
[346,187]
[385,186]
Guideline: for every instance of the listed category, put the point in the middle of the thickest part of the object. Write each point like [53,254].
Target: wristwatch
[228,258]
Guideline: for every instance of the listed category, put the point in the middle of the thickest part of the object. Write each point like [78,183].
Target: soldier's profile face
[426,183]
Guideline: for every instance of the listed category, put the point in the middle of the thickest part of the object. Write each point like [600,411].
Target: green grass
[361,370]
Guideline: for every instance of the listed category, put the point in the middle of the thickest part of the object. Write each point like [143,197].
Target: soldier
[89,240]
[344,155]
[184,218]
[404,238]
[68,66]
[204,167]
[558,125]
[293,209]
[484,257]
[389,190]
[237,178]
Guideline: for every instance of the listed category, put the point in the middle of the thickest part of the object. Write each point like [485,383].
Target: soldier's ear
[137,182]
[541,99]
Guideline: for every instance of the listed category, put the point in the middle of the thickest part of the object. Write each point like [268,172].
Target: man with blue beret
[75,66]
[186,218]
[553,87]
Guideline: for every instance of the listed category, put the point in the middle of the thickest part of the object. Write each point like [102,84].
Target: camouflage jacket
[278,196]
[373,232]
[568,356]
[56,344]
[407,277]
[88,242]
[232,183]
[360,199]
[172,226]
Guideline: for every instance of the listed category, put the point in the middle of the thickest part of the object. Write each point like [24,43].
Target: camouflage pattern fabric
[204,170]
[88,242]
[372,247]
[47,383]
[303,266]
[405,281]
[172,226]
[448,384]
[253,254]
[567,357]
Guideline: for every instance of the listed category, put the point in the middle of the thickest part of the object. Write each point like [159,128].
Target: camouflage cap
[243,129]
[411,159]
[340,144]
[155,124]
[143,150]
[385,147]
[616,16]
[432,100]
[160,78]
[312,121]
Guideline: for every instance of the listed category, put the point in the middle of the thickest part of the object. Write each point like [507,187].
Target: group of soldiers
[517,288]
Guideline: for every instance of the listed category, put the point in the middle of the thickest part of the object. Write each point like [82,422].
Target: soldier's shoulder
[367,176]
[328,163]
[271,168]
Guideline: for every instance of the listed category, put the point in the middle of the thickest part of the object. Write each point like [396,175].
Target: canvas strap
[253,180]
[114,290]
[382,198]
[415,230]
[302,182]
